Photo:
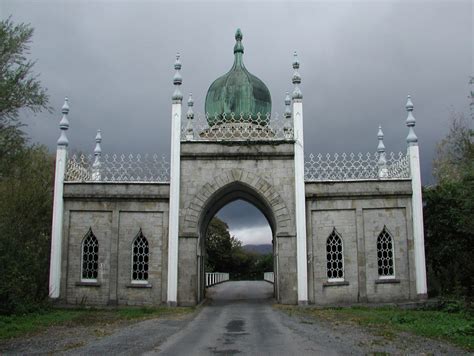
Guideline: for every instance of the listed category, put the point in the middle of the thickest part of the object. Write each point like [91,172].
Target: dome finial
[238,48]
[238,93]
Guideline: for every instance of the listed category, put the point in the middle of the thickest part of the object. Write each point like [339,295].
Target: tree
[226,254]
[25,230]
[19,87]
[455,153]
[26,179]
[449,213]
[220,247]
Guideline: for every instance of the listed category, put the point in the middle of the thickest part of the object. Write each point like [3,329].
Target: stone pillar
[417,203]
[172,295]
[300,199]
[58,206]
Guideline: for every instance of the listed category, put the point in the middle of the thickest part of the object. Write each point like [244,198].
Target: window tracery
[385,254]
[90,257]
[140,258]
[335,258]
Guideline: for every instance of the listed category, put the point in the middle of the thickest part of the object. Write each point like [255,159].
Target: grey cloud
[358,61]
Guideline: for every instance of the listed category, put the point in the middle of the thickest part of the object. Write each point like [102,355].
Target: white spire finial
[190,116]
[296,80]
[381,146]
[177,80]
[64,124]
[288,124]
[98,140]
[383,171]
[190,113]
[412,139]
[287,106]
[97,153]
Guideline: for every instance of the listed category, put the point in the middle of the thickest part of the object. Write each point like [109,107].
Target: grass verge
[457,327]
[19,325]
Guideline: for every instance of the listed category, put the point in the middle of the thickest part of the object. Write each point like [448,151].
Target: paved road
[239,320]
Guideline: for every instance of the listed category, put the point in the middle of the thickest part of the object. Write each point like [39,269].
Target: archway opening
[237,233]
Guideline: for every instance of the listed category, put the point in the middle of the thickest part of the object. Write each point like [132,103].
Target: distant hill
[259,249]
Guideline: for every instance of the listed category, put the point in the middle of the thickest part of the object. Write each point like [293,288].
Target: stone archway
[263,192]
[225,188]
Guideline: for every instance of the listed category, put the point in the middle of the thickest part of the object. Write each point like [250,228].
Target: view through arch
[239,242]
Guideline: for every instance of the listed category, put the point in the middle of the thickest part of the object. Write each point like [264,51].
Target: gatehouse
[130,229]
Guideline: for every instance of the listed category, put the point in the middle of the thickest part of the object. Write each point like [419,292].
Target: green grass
[456,327]
[19,325]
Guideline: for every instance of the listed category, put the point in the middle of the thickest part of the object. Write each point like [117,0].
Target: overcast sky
[359,60]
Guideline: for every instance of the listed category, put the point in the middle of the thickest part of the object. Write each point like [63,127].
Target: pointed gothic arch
[335,256]
[234,185]
[385,254]
[89,257]
[140,258]
[226,188]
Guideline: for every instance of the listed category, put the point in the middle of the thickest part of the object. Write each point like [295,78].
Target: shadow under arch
[236,190]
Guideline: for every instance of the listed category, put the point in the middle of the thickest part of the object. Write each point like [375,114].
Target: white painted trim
[172,294]
[387,277]
[89,280]
[139,281]
[336,279]
[417,207]
[57,228]
[300,203]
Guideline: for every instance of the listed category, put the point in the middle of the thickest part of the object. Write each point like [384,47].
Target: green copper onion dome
[238,92]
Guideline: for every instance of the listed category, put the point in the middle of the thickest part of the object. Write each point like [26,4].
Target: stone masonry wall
[115,213]
[359,211]
[212,175]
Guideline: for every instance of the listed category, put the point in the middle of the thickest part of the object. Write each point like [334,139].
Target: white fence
[117,168]
[269,277]
[216,278]
[356,166]
[235,127]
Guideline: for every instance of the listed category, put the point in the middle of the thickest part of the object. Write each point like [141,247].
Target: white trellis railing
[233,127]
[269,277]
[216,278]
[356,166]
[117,168]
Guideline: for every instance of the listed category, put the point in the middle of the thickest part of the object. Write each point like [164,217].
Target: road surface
[240,320]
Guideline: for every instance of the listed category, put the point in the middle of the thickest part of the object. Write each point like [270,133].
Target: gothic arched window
[90,257]
[385,254]
[335,258]
[140,258]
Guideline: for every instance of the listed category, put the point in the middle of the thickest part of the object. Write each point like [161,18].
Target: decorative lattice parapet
[355,166]
[117,168]
[236,128]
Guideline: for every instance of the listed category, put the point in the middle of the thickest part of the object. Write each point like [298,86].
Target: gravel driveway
[239,319]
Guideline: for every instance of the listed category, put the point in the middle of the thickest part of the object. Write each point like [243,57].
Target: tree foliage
[455,153]
[25,229]
[449,214]
[19,87]
[225,253]
[26,179]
